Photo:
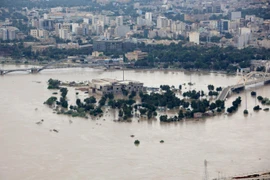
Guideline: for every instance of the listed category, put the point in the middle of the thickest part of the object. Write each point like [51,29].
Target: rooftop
[126,82]
[108,81]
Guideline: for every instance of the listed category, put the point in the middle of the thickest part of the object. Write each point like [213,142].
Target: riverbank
[184,70]
[76,65]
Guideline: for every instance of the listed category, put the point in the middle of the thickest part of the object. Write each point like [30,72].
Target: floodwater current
[103,149]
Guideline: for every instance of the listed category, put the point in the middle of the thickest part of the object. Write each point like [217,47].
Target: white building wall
[34,33]
[121,31]
[162,22]
[119,21]
[106,20]
[43,34]
[148,18]
[63,33]
[4,34]
[235,15]
[194,37]
[86,20]
[74,26]
[94,20]
[244,37]
[140,21]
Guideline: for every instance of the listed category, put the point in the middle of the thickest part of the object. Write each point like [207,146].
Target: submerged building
[107,86]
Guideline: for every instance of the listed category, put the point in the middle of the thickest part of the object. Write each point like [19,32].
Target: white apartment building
[94,20]
[119,21]
[4,34]
[86,20]
[106,20]
[121,31]
[140,21]
[8,33]
[194,37]
[57,27]
[34,33]
[178,26]
[43,33]
[235,15]
[63,33]
[107,35]
[11,34]
[162,22]
[99,29]
[74,26]
[244,37]
[39,33]
[148,18]
[35,23]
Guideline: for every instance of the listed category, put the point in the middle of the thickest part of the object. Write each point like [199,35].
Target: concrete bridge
[264,80]
[51,66]
[31,70]
[224,93]
[246,81]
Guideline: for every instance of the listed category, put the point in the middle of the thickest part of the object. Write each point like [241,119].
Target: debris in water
[40,122]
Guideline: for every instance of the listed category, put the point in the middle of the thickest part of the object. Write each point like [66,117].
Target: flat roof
[109,81]
[128,82]
[105,81]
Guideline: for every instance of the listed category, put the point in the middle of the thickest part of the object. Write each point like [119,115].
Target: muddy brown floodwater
[103,149]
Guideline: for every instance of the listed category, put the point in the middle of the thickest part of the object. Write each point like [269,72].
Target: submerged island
[132,99]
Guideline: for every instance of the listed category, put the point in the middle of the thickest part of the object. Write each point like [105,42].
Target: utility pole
[190,82]
[123,73]
[246,97]
[256,100]
[205,170]
[245,91]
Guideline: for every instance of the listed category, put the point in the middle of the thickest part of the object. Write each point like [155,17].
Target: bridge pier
[237,89]
[2,72]
[34,70]
[267,82]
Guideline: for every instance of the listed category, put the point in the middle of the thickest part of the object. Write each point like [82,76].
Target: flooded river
[103,149]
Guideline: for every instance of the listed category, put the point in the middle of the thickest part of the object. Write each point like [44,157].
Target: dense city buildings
[120,27]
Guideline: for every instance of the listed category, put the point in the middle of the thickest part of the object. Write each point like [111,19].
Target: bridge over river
[246,81]
[52,66]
